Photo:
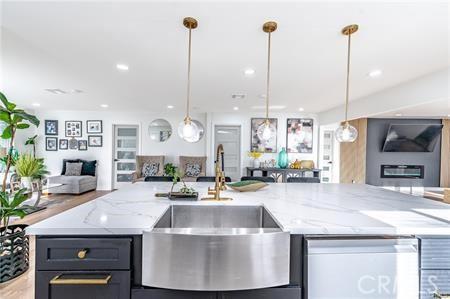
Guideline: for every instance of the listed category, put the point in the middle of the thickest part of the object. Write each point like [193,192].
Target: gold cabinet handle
[82,253]
[80,281]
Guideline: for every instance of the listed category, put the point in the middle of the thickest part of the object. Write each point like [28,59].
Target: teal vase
[282,158]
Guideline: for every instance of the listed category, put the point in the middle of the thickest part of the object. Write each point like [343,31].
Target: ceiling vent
[238,96]
[56,91]
[61,91]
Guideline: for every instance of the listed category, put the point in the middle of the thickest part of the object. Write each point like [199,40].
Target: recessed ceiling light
[235,108]
[104,105]
[249,72]
[398,114]
[301,109]
[36,104]
[169,107]
[122,67]
[375,73]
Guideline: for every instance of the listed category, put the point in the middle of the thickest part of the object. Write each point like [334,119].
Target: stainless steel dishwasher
[373,267]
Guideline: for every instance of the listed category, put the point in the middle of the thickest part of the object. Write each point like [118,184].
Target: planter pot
[14,252]
[26,182]
[256,163]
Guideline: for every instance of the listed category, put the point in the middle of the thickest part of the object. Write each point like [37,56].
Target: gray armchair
[141,160]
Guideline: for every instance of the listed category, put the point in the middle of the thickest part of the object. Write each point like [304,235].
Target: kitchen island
[103,238]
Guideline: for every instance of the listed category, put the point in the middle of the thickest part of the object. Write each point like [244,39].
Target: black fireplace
[402,171]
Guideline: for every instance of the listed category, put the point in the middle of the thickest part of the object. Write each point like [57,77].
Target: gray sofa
[87,181]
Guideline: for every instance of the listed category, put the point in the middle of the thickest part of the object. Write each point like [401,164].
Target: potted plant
[27,167]
[13,241]
[255,156]
[32,141]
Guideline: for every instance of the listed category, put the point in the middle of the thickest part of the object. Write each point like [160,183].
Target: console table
[284,173]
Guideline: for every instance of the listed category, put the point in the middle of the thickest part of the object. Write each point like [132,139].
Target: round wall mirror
[199,136]
[159,130]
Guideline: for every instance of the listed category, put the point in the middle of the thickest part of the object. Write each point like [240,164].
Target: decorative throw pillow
[63,171]
[150,169]
[73,169]
[193,170]
[245,186]
[88,167]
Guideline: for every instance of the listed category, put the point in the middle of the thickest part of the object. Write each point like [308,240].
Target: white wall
[243,119]
[173,148]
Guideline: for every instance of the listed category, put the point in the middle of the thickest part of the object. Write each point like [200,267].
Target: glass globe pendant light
[266,130]
[347,132]
[187,129]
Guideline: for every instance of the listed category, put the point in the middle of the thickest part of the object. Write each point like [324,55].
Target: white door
[326,158]
[125,150]
[230,138]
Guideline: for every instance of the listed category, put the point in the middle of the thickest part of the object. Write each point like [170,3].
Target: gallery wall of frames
[75,136]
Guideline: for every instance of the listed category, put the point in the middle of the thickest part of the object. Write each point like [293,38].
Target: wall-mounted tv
[412,137]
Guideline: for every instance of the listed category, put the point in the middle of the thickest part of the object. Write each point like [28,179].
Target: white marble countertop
[299,208]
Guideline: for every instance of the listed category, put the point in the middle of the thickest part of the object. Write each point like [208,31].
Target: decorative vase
[256,163]
[14,252]
[26,182]
[283,158]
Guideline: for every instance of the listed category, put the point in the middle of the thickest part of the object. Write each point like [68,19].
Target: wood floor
[22,287]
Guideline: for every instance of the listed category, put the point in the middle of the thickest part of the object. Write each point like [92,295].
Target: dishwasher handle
[355,246]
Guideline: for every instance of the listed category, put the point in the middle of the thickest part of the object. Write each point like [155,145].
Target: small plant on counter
[170,169]
[184,189]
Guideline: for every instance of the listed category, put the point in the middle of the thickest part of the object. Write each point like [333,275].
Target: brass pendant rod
[189,76]
[347,90]
[268,76]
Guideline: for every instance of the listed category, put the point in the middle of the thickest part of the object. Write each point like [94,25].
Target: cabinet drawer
[270,293]
[150,293]
[83,254]
[435,253]
[432,281]
[85,285]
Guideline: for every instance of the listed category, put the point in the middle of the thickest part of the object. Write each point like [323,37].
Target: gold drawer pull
[79,281]
[82,253]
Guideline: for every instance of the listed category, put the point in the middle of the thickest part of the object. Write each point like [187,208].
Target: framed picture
[94,126]
[82,145]
[63,144]
[299,135]
[51,127]
[95,140]
[51,143]
[74,128]
[73,144]
[259,145]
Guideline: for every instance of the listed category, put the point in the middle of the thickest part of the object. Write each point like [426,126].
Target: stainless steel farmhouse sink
[215,248]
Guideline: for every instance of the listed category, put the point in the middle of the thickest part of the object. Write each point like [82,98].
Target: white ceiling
[433,109]
[76,45]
